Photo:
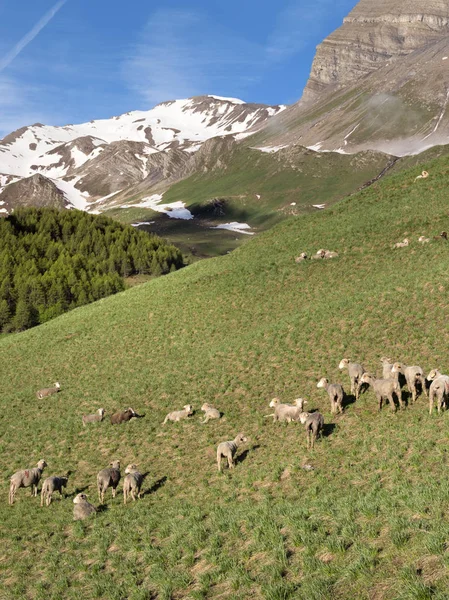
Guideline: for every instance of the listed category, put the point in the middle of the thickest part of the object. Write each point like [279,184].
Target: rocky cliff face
[375,32]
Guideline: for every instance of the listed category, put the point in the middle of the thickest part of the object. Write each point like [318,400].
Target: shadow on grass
[241,457]
[328,429]
[153,488]
[348,400]
[77,490]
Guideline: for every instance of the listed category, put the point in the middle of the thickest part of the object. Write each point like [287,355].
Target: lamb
[228,450]
[320,254]
[98,416]
[423,240]
[301,257]
[424,175]
[286,412]
[45,392]
[26,478]
[132,483]
[412,375]
[106,478]
[387,367]
[82,509]
[51,485]
[124,416]
[439,388]
[355,371]
[210,412]
[402,244]
[384,388]
[330,254]
[335,392]
[314,425]
[177,415]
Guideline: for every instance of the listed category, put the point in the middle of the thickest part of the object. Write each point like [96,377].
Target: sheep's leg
[42,497]
[133,495]
[230,461]
[12,492]
[125,495]
[114,492]
[219,461]
[391,401]
[48,499]
[35,490]
[399,396]
[379,400]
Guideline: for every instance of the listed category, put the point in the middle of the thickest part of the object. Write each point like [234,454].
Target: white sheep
[355,371]
[132,483]
[109,477]
[26,478]
[82,509]
[95,418]
[228,450]
[335,392]
[50,486]
[286,412]
[177,415]
[45,392]
[209,412]
[402,244]
[439,388]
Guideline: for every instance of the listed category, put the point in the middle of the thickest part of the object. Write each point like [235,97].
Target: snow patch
[315,147]
[224,99]
[142,223]
[236,227]
[174,210]
[76,198]
[271,148]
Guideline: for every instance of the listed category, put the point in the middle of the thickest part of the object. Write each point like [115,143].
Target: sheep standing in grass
[178,415]
[46,392]
[82,509]
[387,367]
[314,425]
[209,412]
[355,371]
[50,486]
[132,483]
[106,478]
[384,389]
[413,375]
[26,478]
[439,389]
[95,418]
[286,412]
[229,449]
[335,392]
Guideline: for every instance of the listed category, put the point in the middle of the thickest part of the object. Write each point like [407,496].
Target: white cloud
[29,37]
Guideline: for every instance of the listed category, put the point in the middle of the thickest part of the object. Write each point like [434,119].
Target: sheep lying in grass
[209,413]
[26,478]
[124,416]
[335,392]
[423,240]
[384,389]
[50,486]
[95,418]
[286,412]
[106,478]
[301,257]
[82,509]
[413,375]
[402,244]
[228,450]
[324,254]
[439,389]
[178,415]
[132,483]
[355,371]
[45,392]
[314,425]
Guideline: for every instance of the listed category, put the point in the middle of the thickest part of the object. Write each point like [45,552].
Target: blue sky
[75,60]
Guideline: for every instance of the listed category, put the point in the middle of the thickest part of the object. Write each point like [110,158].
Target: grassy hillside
[253,187]
[369,522]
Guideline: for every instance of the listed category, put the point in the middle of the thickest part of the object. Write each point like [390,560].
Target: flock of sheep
[395,375]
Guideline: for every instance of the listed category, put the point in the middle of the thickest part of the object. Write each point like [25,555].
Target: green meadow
[369,522]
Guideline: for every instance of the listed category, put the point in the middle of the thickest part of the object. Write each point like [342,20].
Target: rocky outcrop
[374,33]
[38,191]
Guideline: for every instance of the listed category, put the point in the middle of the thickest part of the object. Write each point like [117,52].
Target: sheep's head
[240,438]
[274,402]
[366,378]
[303,417]
[188,408]
[299,402]
[80,498]
[57,385]
[115,464]
[343,363]
[42,464]
[101,411]
[385,360]
[131,468]
[434,373]
[323,382]
[397,368]
[205,406]
[443,234]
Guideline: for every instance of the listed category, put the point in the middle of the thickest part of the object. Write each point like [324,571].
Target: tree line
[52,261]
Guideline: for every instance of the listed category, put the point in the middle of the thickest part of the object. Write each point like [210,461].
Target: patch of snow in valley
[79,157]
[236,227]
[315,147]
[142,223]
[76,198]
[174,210]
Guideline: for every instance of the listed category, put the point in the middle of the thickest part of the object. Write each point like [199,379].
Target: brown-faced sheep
[124,416]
